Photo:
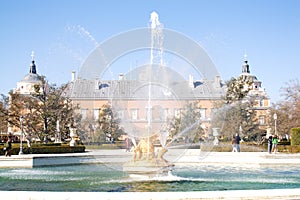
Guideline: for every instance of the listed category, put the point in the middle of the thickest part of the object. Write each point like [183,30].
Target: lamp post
[21,136]
[275,125]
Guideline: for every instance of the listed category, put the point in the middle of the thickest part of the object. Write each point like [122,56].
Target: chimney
[73,76]
[191,81]
[217,81]
[121,77]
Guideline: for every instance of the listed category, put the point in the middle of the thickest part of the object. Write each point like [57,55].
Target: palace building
[168,92]
[131,97]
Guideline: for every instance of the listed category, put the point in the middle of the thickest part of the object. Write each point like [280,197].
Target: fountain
[149,97]
[145,160]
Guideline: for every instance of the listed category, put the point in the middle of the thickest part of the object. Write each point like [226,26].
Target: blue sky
[62,33]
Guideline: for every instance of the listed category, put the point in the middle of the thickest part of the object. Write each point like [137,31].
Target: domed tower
[246,69]
[262,101]
[26,85]
[256,87]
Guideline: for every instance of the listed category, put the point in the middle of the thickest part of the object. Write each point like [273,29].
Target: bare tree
[40,110]
[288,110]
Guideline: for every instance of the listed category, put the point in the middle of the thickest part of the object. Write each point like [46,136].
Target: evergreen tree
[237,89]
[187,124]
[109,123]
[236,111]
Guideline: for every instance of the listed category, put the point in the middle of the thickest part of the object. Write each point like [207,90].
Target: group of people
[272,144]
[236,143]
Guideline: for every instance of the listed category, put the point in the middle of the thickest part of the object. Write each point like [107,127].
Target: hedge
[106,145]
[295,136]
[44,149]
[289,148]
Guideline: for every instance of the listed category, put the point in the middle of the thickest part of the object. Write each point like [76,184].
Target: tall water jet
[156,54]
[145,161]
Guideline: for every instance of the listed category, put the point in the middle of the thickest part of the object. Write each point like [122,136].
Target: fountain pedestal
[146,163]
[73,135]
[216,134]
[149,168]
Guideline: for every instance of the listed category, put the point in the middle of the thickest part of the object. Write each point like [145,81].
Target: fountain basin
[175,156]
[192,173]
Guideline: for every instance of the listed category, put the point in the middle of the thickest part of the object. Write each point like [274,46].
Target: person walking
[237,142]
[275,143]
[233,143]
[128,144]
[8,148]
[270,142]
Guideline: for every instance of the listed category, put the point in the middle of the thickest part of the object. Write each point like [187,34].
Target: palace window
[177,112]
[164,114]
[149,113]
[83,113]
[134,114]
[261,103]
[261,120]
[202,112]
[121,114]
[96,114]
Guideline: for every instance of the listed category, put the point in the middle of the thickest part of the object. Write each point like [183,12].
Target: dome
[31,78]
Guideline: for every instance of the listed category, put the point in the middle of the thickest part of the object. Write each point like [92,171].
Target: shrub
[295,136]
[289,148]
